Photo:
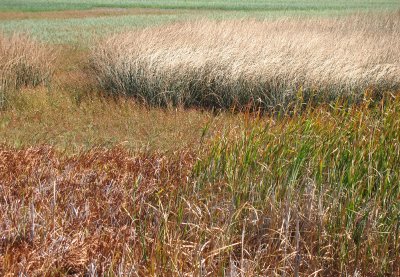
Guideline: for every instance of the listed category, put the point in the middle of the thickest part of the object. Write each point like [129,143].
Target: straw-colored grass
[24,62]
[235,63]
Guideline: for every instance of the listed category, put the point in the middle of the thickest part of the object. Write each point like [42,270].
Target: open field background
[40,5]
[93,182]
[78,22]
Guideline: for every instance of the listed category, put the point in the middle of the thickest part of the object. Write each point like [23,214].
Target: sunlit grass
[39,5]
[97,185]
[72,121]
[262,64]
[327,183]
[316,192]
[82,30]
[23,63]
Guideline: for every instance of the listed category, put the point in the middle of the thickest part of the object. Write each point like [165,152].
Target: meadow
[199,138]
[40,5]
[79,22]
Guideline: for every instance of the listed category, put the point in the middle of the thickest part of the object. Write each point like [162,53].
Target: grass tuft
[23,63]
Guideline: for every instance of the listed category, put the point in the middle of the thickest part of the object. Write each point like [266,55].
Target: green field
[267,5]
[80,30]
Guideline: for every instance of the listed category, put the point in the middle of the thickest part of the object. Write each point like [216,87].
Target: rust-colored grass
[92,212]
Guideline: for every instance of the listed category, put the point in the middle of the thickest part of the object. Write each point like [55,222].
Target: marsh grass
[23,63]
[263,5]
[318,192]
[74,120]
[312,194]
[269,64]
[183,192]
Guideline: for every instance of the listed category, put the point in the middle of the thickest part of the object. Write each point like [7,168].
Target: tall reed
[269,63]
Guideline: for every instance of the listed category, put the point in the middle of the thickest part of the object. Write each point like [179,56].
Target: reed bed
[269,64]
[317,195]
[311,195]
[24,62]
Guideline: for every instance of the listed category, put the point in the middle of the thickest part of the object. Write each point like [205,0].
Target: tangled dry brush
[312,195]
[90,213]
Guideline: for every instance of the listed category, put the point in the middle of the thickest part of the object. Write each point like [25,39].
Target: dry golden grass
[199,194]
[24,62]
[71,116]
[271,63]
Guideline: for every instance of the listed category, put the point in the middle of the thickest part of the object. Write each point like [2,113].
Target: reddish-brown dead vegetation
[65,215]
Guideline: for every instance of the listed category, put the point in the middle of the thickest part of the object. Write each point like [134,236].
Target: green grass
[334,169]
[318,191]
[40,5]
[72,121]
[82,30]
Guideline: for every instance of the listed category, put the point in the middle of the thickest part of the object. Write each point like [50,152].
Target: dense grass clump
[262,64]
[23,62]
